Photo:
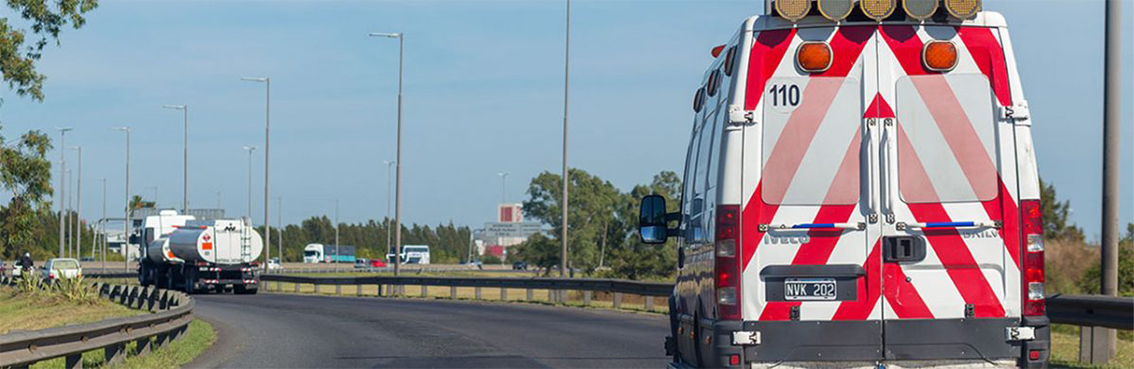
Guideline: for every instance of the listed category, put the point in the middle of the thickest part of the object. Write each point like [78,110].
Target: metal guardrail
[173,311]
[573,284]
[1092,311]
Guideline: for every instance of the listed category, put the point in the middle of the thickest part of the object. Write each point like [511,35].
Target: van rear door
[806,223]
[949,246]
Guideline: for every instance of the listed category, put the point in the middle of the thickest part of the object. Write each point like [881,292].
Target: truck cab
[860,188]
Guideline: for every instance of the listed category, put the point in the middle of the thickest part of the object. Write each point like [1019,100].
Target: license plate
[810,289]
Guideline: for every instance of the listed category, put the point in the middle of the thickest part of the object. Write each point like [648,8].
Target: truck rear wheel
[190,280]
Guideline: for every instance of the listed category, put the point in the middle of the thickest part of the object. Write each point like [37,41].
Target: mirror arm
[673,217]
[673,232]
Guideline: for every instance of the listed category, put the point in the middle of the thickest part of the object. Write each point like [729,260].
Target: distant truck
[319,253]
[199,255]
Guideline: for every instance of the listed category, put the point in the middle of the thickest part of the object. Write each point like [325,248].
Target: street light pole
[69,245]
[126,226]
[279,229]
[337,254]
[79,205]
[267,154]
[503,188]
[249,149]
[389,165]
[62,184]
[398,159]
[102,226]
[185,185]
[566,175]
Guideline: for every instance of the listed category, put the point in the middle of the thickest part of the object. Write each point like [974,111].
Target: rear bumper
[897,343]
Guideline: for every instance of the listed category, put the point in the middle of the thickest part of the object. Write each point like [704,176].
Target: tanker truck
[204,255]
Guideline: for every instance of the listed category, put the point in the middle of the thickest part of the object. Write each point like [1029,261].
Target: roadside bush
[75,289]
[29,284]
[1067,262]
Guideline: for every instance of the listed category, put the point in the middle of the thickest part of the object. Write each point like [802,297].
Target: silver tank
[221,241]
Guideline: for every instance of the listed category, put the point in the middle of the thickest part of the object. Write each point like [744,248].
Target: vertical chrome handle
[872,159]
[888,137]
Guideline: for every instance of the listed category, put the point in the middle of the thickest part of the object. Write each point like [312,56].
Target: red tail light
[1033,258]
[727,264]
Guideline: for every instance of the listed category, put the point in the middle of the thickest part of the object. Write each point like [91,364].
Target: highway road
[297,331]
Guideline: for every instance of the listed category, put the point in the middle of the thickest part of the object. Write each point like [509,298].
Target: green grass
[41,310]
[191,344]
[1065,349]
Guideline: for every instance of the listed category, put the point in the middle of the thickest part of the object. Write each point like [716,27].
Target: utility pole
[389,165]
[79,206]
[566,175]
[102,226]
[127,220]
[267,154]
[1103,340]
[398,159]
[249,149]
[279,228]
[185,175]
[503,187]
[70,212]
[62,183]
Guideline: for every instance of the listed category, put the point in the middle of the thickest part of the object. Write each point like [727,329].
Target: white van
[860,190]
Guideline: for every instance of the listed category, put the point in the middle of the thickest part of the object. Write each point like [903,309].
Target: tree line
[448,243]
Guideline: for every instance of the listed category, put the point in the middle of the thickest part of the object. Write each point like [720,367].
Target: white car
[61,268]
[274,264]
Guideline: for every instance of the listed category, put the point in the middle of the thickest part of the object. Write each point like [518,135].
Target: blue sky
[483,95]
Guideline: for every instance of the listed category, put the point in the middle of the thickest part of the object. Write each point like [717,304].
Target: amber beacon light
[814,57]
[939,56]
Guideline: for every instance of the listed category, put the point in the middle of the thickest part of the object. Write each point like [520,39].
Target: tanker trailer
[216,255]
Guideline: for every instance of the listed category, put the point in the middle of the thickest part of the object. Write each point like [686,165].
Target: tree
[590,215]
[1056,214]
[137,202]
[23,169]
[45,21]
[25,172]
[635,259]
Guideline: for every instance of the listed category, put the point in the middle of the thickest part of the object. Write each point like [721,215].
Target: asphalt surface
[298,331]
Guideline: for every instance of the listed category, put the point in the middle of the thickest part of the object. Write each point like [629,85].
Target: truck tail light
[1033,258]
[726,268]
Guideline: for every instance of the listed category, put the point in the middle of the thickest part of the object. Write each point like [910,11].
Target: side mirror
[652,220]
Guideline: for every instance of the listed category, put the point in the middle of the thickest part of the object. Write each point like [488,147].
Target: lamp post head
[388,162]
[76,147]
[124,129]
[64,129]
[388,35]
[250,148]
[177,107]
[255,79]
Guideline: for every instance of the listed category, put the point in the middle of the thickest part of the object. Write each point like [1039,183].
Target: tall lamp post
[62,184]
[102,227]
[79,205]
[267,154]
[126,223]
[389,166]
[503,188]
[185,175]
[398,159]
[249,149]
[566,178]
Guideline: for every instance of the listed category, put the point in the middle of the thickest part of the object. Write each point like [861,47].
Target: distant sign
[518,230]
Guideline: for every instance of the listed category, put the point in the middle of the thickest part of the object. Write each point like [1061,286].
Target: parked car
[520,265]
[62,268]
[86,258]
[377,263]
[361,263]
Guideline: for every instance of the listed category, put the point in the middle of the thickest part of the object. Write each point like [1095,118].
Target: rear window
[812,141]
[65,264]
[947,139]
